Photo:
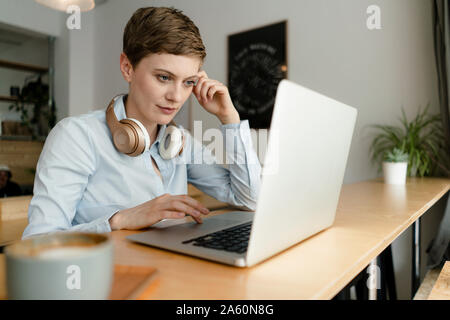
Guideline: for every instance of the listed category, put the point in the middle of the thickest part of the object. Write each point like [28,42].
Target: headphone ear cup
[130,139]
[172,143]
[129,135]
[125,138]
[143,142]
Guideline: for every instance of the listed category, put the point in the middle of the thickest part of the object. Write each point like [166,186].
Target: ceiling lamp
[61,5]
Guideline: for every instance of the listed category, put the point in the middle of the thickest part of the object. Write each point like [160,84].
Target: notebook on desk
[305,162]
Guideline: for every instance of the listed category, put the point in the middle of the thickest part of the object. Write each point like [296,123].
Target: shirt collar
[161,131]
[119,110]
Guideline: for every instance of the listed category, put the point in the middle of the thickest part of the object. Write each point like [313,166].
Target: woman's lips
[167,110]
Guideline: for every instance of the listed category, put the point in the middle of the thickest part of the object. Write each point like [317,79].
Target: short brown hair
[161,30]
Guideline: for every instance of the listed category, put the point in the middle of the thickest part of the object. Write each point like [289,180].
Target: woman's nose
[175,94]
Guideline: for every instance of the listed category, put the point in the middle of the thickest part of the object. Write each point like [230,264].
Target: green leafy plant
[422,139]
[396,155]
[35,94]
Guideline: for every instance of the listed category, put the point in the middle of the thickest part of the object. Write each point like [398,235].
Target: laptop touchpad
[240,216]
[194,229]
[209,224]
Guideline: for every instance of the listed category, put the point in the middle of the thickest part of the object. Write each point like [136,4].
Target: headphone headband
[111,118]
[131,137]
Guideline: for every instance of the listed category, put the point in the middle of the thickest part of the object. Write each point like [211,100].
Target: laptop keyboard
[234,239]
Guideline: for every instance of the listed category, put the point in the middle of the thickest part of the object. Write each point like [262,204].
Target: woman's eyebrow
[167,71]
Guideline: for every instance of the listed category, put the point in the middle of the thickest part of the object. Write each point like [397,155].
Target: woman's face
[159,86]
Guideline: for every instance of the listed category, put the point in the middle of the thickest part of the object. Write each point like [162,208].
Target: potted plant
[395,166]
[35,94]
[421,139]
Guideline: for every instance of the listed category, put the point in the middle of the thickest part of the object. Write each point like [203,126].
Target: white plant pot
[395,172]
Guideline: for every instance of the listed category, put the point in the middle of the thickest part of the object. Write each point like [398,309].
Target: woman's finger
[195,214]
[183,207]
[172,214]
[199,86]
[207,86]
[197,219]
[204,90]
[202,74]
[178,215]
[193,203]
[216,88]
[212,91]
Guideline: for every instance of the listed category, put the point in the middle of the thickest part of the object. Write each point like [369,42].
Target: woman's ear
[125,67]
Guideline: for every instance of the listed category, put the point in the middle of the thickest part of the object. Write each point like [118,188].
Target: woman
[84,183]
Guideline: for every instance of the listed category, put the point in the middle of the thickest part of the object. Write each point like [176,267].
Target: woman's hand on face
[163,207]
[214,97]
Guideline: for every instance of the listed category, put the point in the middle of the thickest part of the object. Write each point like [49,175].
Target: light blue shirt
[82,180]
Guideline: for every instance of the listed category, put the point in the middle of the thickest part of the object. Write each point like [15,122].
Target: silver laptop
[304,167]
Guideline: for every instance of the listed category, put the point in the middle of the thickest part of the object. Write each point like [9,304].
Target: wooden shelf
[22,66]
[22,138]
[8,98]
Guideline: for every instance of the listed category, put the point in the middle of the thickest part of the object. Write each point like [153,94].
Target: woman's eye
[190,83]
[163,77]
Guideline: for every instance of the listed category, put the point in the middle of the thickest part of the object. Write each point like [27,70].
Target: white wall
[62,74]
[30,15]
[82,57]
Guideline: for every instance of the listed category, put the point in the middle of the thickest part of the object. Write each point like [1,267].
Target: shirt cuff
[106,225]
[235,125]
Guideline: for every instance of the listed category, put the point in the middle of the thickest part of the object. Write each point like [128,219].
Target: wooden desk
[14,208]
[13,218]
[11,230]
[370,216]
